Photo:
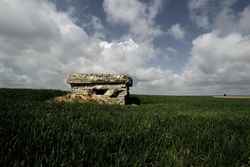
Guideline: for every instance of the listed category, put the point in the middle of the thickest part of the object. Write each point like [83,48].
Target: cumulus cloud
[37,43]
[244,21]
[138,16]
[227,21]
[48,45]
[220,63]
[177,32]
[220,58]
[199,13]
[203,12]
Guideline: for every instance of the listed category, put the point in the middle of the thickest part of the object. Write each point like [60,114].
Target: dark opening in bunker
[116,93]
[100,91]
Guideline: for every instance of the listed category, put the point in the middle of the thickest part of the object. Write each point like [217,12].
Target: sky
[168,47]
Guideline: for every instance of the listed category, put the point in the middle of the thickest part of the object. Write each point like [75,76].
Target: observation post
[101,88]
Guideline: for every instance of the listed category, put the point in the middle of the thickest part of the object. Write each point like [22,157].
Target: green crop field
[161,131]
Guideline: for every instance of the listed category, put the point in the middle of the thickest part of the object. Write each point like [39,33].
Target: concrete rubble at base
[100,88]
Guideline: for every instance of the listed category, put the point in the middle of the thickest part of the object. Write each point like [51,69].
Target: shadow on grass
[132,100]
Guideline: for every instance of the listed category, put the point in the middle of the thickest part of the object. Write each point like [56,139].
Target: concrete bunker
[102,88]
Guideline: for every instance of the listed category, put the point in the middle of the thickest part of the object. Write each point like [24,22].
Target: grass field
[233,97]
[161,131]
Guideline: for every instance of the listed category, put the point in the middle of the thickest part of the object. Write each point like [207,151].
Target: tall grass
[161,131]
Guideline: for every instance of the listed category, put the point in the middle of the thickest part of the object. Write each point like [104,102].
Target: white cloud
[171,50]
[94,26]
[39,53]
[228,21]
[244,21]
[225,21]
[138,16]
[37,44]
[221,63]
[177,32]
[203,12]
[220,59]
[199,13]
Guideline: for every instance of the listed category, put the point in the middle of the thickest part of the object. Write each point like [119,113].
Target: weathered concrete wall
[100,88]
[111,94]
[74,97]
[99,79]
